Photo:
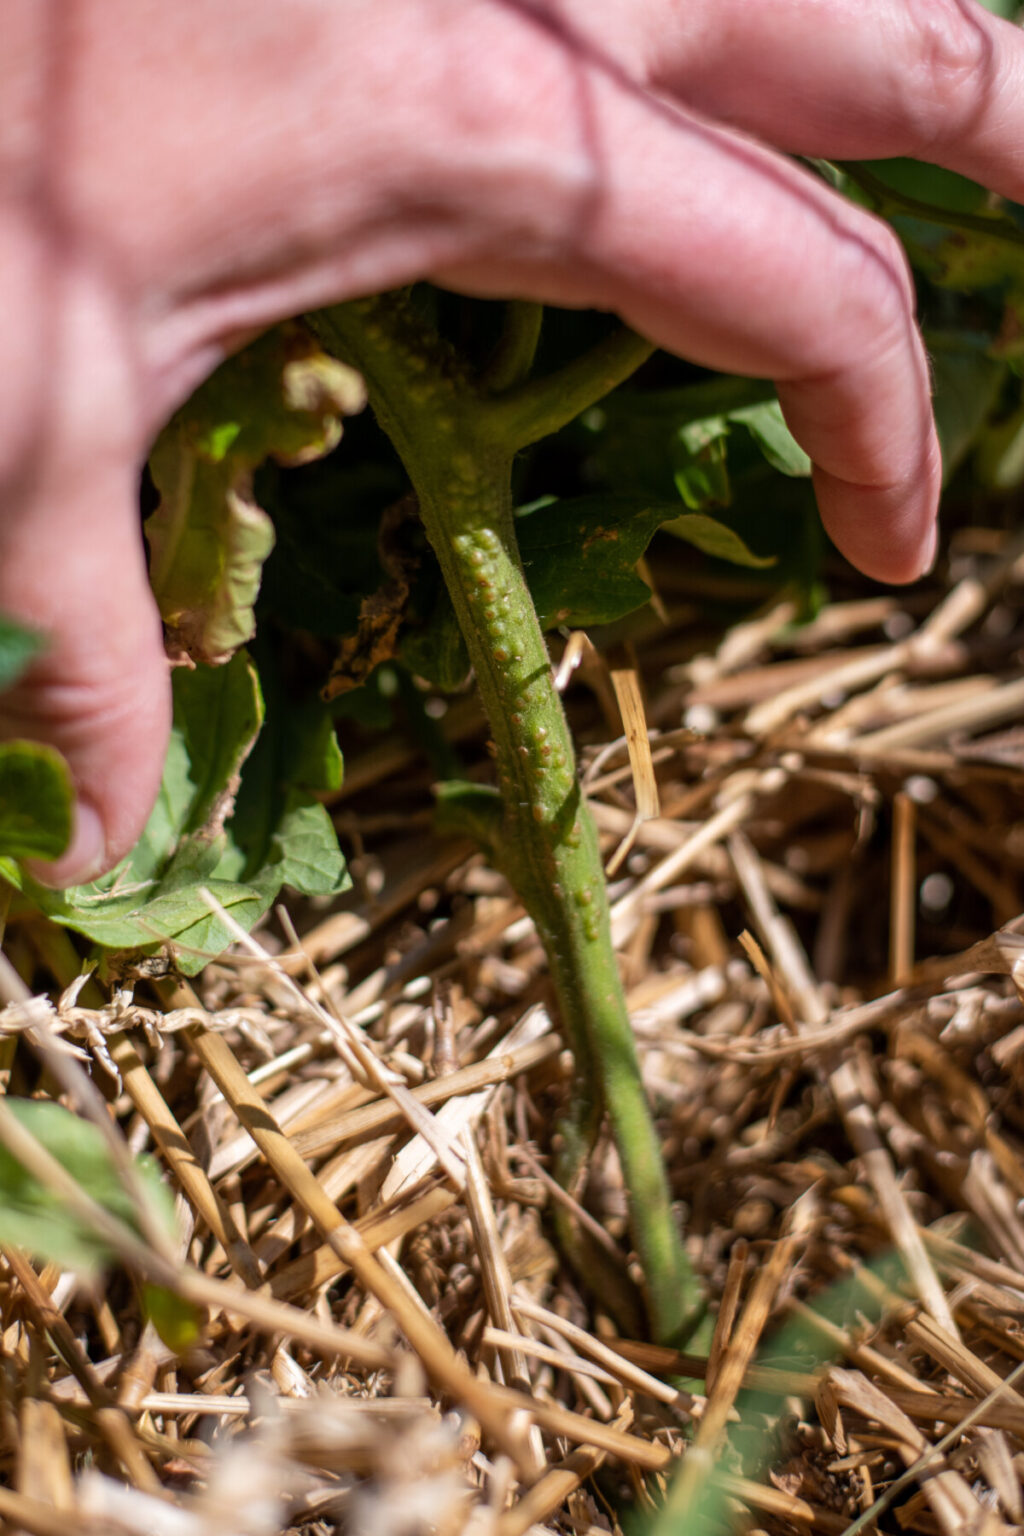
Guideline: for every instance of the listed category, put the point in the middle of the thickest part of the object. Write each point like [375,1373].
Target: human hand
[173,177]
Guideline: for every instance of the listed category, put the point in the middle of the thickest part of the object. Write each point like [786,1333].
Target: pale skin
[175,177]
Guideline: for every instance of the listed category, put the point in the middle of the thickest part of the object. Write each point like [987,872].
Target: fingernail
[930,551]
[84,858]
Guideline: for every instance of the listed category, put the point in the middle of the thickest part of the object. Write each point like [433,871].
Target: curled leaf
[281,398]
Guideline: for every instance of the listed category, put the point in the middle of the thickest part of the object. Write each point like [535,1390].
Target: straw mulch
[818,936]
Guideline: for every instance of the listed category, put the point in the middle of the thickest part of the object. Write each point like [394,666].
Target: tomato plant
[462,577]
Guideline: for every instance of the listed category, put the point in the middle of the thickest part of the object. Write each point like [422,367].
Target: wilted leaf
[969,260]
[36,801]
[208,542]
[282,398]
[36,1220]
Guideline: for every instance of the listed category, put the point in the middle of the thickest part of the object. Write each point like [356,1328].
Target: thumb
[72,567]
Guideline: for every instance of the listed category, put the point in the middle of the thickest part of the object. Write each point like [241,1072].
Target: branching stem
[539,407]
[458,450]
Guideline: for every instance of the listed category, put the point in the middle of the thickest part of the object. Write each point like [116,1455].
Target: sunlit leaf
[191,842]
[37,1220]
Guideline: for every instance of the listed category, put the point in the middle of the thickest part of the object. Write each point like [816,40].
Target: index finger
[939,80]
[725,252]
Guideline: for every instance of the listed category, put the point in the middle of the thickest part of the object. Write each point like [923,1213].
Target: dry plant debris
[819,850]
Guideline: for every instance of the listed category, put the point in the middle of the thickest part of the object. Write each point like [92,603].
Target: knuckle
[508,153]
[947,81]
[875,291]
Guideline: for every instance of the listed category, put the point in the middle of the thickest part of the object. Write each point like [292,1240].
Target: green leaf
[702,476]
[327,522]
[953,234]
[218,712]
[581,555]
[280,834]
[999,462]
[966,385]
[217,715]
[191,840]
[767,426]
[796,1346]
[702,473]
[208,539]
[38,1221]
[714,538]
[178,1322]
[1008,9]
[18,645]
[435,650]
[932,184]
[633,437]
[470,810]
[36,801]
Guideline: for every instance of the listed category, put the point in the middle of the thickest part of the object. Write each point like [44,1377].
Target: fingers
[72,567]
[99,692]
[341,150]
[484,150]
[494,156]
[940,80]
[729,255]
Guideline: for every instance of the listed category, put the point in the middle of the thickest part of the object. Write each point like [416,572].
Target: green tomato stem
[458,452]
[539,407]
